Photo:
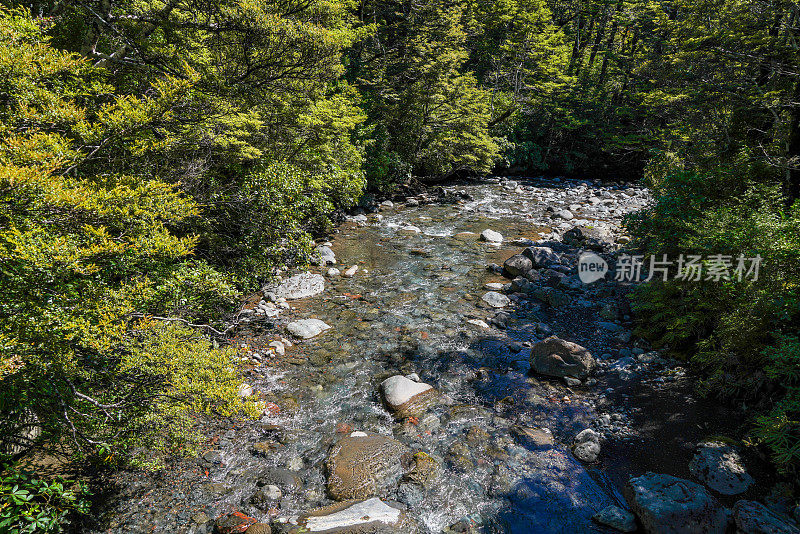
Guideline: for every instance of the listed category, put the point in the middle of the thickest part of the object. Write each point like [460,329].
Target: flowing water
[406,311]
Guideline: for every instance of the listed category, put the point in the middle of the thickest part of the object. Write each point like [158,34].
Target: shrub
[733,332]
[29,504]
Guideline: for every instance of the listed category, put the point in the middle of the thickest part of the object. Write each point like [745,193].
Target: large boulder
[719,466]
[361,465]
[517,265]
[671,505]
[557,357]
[752,517]
[405,397]
[307,328]
[541,256]
[371,516]
[299,286]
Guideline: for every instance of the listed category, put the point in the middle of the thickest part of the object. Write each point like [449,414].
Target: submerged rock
[405,397]
[616,518]
[719,466]
[307,328]
[752,517]
[557,357]
[671,505]
[233,523]
[299,286]
[363,465]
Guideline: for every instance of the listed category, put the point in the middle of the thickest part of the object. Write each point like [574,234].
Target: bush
[86,257]
[29,504]
[733,332]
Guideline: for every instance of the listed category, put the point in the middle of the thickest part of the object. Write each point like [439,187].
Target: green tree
[86,256]
[428,115]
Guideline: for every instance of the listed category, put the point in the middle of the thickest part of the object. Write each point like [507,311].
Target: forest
[159,159]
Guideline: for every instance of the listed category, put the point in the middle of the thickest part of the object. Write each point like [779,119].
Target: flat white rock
[307,328]
[398,389]
[491,236]
[359,513]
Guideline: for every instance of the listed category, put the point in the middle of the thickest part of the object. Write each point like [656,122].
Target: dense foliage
[30,504]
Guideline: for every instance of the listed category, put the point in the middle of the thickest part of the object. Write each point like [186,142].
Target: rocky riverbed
[444,369]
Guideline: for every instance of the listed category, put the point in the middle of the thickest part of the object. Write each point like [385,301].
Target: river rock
[671,505]
[616,518]
[325,256]
[298,286]
[541,256]
[410,229]
[286,480]
[371,516]
[557,357]
[491,236]
[587,446]
[233,523]
[594,238]
[495,299]
[405,397]
[258,528]
[752,517]
[351,272]
[719,466]
[517,265]
[307,328]
[362,465]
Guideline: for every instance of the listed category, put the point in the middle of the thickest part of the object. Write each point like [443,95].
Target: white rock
[297,287]
[720,467]
[478,323]
[491,236]
[496,300]
[272,492]
[280,348]
[351,272]
[369,511]
[565,214]
[307,328]
[494,286]
[398,390]
[245,390]
[333,271]
[325,256]
[410,229]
